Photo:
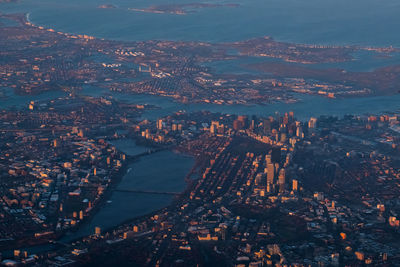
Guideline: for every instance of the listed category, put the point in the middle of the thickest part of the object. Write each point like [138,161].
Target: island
[180,9]
[107,6]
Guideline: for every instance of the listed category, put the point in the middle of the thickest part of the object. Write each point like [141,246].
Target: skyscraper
[281,180]
[312,123]
[159,124]
[295,185]
[270,173]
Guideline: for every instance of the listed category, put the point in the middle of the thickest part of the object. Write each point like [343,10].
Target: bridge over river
[147,192]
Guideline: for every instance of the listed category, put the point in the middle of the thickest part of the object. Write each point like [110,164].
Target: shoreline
[54,241]
[125,170]
[174,200]
[369,47]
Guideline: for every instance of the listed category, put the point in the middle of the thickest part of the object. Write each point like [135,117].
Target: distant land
[180,70]
[106,6]
[180,9]
[384,80]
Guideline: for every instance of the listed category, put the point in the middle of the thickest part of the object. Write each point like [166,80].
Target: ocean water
[359,22]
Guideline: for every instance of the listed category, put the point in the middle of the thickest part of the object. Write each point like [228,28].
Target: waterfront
[125,206]
[306,107]
[161,171]
[363,61]
[342,22]
[12,100]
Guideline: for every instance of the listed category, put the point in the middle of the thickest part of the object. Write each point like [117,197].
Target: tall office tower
[299,131]
[281,180]
[159,124]
[97,231]
[291,116]
[285,119]
[31,105]
[214,127]
[259,178]
[288,159]
[270,173]
[268,188]
[312,123]
[268,159]
[267,126]
[243,119]
[275,134]
[238,125]
[283,137]
[253,122]
[295,185]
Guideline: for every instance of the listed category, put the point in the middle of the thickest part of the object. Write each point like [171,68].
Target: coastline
[28,19]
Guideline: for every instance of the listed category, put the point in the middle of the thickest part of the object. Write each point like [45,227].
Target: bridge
[147,192]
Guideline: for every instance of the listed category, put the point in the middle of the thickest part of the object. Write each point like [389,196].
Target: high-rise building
[312,123]
[31,105]
[291,116]
[258,179]
[97,231]
[214,127]
[270,173]
[253,122]
[281,179]
[268,158]
[238,125]
[295,185]
[283,137]
[267,126]
[299,131]
[159,124]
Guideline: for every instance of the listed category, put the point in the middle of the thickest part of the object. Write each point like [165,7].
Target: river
[162,171]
